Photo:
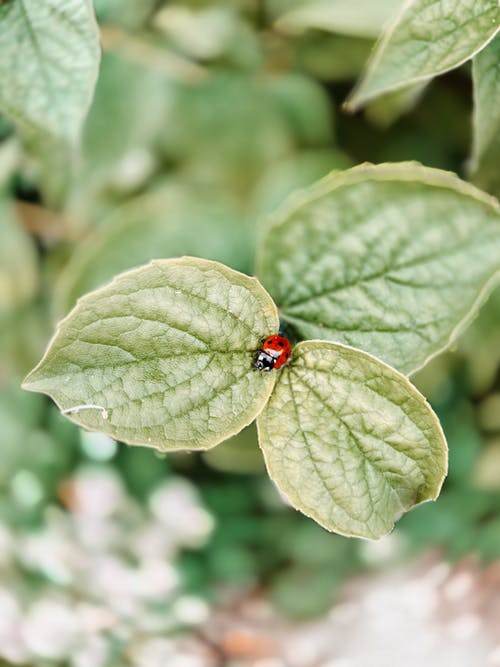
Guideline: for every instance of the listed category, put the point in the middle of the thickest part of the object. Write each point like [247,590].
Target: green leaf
[429,37]
[131,14]
[386,110]
[18,262]
[332,57]
[350,441]
[392,259]
[342,16]
[135,98]
[486,138]
[226,130]
[299,171]
[48,66]
[306,106]
[171,221]
[162,356]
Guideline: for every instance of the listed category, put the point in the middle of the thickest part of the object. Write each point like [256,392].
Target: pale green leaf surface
[428,38]
[162,356]
[360,19]
[171,221]
[48,66]
[486,136]
[392,259]
[350,441]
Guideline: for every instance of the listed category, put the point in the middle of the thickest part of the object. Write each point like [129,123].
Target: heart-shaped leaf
[350,441]
[391,259]
[162,356]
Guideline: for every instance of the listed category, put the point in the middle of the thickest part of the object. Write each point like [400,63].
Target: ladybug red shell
[274,353]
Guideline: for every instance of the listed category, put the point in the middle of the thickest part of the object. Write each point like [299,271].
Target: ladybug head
[264,361]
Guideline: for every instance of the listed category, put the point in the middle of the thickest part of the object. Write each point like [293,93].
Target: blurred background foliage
[206,116]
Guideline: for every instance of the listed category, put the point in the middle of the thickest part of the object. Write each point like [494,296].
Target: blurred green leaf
[305,104]
[479,346]
[23,336]
[391,259]
[430,37]
[350,441]
[210,33]
[25,445]
[332,57]
[225,130]
[127,113]
[162,356]
[451,523]
[301,593]
[128,13]
[18,262]
[298,171]
[486,138]
[170,221]
[386,109]
[240,454]
[49,63]
[360,19]
[486,77]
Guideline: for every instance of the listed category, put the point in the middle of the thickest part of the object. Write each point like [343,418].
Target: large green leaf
[162,356]
[350,441]
[429,37]
[486,145]
[49,58]
[392,259]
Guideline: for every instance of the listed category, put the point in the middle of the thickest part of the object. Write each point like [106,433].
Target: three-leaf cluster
[376,269]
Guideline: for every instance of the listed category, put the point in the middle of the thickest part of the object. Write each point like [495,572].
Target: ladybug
[274,353]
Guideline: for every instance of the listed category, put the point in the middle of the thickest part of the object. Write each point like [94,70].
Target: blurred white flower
[155,579]
[153,541]
[95,618]
[191,610]
[177,505]
[155,652]
[12,647]
[51,554]
[51,629]
[94,653]
[97,492]
[114,582]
